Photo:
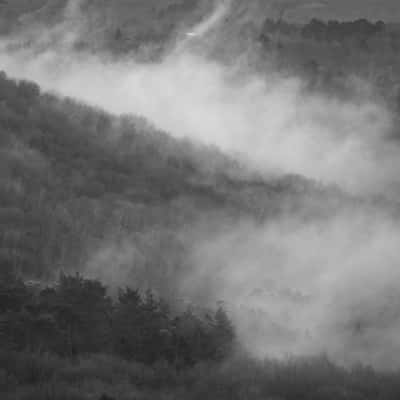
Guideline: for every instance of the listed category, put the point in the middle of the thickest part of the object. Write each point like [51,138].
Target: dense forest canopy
[76,316]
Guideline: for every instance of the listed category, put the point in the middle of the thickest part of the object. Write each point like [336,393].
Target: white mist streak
[272,122]
[209,23]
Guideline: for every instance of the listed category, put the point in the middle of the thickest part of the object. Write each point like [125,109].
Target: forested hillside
[75,179]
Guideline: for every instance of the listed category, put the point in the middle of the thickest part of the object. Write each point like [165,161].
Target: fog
[298,288]
[273,124]
[293,287]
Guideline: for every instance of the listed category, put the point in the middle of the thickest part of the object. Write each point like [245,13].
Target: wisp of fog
[293,287]
[307,288]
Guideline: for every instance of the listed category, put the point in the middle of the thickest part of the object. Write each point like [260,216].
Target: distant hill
[153,21]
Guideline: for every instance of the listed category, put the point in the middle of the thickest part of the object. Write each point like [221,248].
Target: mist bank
[307,287]
[293,286]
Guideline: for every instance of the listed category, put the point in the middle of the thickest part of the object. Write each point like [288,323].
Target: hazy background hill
[299,10]
[153,19]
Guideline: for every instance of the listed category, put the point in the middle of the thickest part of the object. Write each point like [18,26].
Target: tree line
[76,317]
[330,31]
[325,30]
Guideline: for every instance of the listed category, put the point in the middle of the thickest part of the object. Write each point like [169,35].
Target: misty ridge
[216,182]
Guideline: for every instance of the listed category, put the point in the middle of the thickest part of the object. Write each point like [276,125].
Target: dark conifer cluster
[76,317]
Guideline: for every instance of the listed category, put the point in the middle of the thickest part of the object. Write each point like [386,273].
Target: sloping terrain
[75,180]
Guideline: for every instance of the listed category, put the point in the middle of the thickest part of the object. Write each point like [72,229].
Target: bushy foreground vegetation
[27,376]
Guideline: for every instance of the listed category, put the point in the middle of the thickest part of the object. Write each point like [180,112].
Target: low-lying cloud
[303,288]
